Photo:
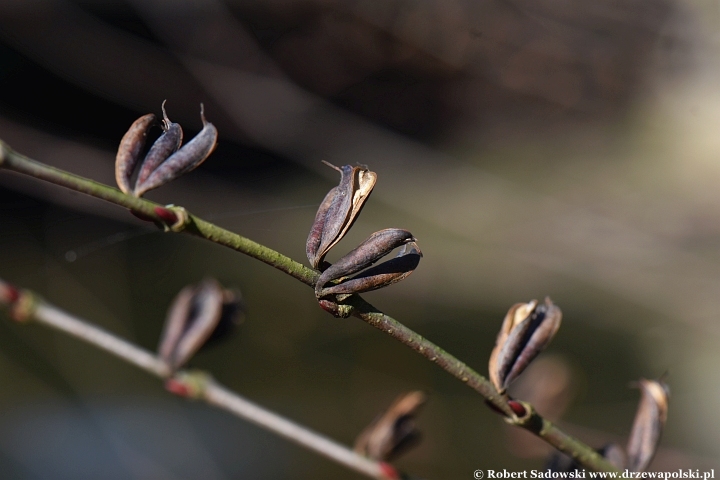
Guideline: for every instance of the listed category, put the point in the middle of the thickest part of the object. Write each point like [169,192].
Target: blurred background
[534,148]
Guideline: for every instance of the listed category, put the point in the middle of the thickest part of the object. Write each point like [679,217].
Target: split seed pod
[197,314]
[367,253]
[393,432]
[648,425]
[129,151]
[338,211]
[525,332]
[189,157]
[166,145]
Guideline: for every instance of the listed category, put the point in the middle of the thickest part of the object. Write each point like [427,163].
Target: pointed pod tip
[331,165]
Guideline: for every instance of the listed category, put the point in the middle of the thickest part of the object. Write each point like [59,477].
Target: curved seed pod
[129,150]
[648,425]
[525,332]
[166,145]
[393,432]
[190,156]
[191,320]
[338,211]
[370,251]
[316,231]
[381,275]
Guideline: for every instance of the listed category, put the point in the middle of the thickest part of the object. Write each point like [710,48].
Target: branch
[27,306]
[177,219]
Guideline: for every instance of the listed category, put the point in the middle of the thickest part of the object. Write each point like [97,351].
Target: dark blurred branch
[27,306]
[179,220]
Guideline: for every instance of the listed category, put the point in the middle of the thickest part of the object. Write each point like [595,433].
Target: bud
[166,145]
[189,157]
[338,211]
[393,432]
[648,425]
[367,253]
[197,314]
[129,151]
[525,332]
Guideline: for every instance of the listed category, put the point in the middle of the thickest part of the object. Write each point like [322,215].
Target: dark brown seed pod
[367,253]
[197,314]
[525,332]
[648,425]
[166,145]
[129,151]
[393,432]
[387,273]
[338,211]
[189,157]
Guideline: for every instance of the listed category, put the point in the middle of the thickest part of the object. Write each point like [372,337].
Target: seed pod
[367,253]
[648,425]
[191,155]
[129,151]
[196,315]
[525,332]
[393,432]
[381,275]
[166,145]
[338,211]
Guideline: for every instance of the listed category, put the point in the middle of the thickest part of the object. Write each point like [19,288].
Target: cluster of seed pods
[202,312]
[167,158]
[526,330]
[394,431]
[198,314]
[338,211]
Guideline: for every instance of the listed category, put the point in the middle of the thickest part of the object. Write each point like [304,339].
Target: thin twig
[179,220]
[27,306]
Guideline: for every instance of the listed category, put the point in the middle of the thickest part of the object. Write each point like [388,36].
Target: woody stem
[194,225]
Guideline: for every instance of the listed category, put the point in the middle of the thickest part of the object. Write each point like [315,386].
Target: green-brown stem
[585,455]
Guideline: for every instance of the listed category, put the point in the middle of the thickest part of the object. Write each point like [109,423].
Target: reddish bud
[389,471]
[166,215]
[517,408]
[177,387]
